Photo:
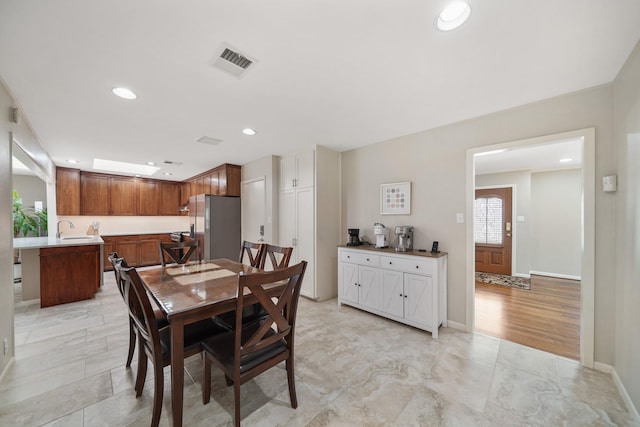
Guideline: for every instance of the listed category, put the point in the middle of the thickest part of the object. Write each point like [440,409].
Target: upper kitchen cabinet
[169,198]
[223,180]
[148,197]
[67,191]
[123,196]
[297,170]
[228,180]
[95,194]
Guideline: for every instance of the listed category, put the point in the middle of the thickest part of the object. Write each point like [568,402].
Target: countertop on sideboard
[52,241]
[394,252]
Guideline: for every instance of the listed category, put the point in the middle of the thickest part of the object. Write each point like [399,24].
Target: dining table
[188,293]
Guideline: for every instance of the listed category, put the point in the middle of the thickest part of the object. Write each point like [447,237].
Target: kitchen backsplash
[115,225]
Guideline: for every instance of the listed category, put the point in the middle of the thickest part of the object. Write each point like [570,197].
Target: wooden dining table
[186,294]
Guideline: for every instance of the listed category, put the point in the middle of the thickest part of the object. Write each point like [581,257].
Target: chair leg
[236,397]
[132,343]
[158,379]
[292,383]
[142,370]
[206,386]
[228,380]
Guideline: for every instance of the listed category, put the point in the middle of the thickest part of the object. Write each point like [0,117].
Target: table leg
[177,370]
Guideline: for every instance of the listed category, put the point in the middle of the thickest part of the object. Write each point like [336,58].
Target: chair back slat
[279,257]
[254,252]
[280,308]
[178,252]
[116,260]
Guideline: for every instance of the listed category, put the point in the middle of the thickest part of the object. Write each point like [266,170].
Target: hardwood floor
[547,317]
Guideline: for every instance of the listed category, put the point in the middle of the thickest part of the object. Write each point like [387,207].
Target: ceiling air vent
[171,162]
[233,62]
[209,141]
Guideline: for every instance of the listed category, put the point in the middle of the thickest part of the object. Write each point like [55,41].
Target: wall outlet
[459,218]
[5,346]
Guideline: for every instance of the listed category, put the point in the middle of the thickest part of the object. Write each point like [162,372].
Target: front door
[493,230]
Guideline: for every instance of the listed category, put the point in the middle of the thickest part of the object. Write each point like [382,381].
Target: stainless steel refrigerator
[215,224]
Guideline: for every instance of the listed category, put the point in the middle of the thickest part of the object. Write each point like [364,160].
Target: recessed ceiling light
[249,131]
[151,163]
[132,168]
[72,161]
[167,173]
[453,15]
[566,160]
[123,92]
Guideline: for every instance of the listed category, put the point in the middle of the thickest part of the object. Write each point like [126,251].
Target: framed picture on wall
[395,198]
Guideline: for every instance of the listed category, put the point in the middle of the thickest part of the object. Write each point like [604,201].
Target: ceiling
[335,73]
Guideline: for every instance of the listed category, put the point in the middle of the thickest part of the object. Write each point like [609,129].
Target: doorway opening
[567,280]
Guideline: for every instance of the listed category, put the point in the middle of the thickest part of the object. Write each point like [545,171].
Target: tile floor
[352,369]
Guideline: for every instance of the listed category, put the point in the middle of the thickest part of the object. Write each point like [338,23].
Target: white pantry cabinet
[410,288]
[310,217]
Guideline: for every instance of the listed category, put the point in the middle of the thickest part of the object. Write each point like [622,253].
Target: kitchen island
[60,270]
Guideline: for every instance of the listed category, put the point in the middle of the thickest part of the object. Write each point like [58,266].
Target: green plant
[25,223]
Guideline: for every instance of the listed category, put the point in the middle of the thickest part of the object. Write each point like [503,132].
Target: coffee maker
[382,235]
[354,237]
[405,238]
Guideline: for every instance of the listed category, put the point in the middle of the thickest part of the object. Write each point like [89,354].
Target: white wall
[556,201]
[521,184]
[626,313]
[30,188]
[435,162]
[120,225]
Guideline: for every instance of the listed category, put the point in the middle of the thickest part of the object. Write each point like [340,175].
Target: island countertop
[53,242]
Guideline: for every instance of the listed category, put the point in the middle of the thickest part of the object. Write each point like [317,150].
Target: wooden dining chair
[277,255]
[154,343]
[161,319]
[254,251]
[178,252]
[254,347]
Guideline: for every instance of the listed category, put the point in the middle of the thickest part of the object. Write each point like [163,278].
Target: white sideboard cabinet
[407,287]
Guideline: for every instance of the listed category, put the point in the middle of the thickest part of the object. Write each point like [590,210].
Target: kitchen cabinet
[148,197]
[409,288]
[223,180]
[297,170]
[169,198]
[138,250]
[123,196]
[94,194]
[69,273]
[67,191]
[309,221]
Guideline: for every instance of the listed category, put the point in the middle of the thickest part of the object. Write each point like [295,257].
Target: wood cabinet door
[69,273]
[148,199]
[107,249]
[214,183]
[148,250]
[233,175]
[94,194]
[123,196]
[127,248]
[392,292]
[348,278]
[169,198]
[68,191]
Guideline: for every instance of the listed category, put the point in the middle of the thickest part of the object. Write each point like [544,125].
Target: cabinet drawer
[360,258]
[408,265]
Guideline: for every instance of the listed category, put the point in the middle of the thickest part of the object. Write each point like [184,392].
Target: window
[488,220]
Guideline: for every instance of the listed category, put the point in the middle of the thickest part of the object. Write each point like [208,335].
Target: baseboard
[556,275]
[524,276]
[27,303]
[603,367]
[455,325]
[6,369]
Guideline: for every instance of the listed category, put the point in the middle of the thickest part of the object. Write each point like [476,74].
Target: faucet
[58,226]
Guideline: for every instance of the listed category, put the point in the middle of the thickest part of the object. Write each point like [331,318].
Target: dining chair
[254,347]
[161,319]
[178,252]
[254,251]
[154,343]
[278,256]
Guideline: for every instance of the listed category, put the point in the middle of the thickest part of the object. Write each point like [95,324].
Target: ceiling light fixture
[566,160]
[453,15]
[249,131]
[167,173]
[123,92]
[72,161]
[151,163]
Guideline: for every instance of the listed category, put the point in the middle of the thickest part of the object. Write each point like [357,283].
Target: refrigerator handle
[192,230]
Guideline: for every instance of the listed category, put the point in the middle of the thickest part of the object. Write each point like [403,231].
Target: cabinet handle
[405,296]
[417,266]
[390,263]
[400,294]
[349,256]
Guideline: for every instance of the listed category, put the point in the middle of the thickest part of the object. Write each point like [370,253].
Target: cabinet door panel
[287,171]
[68,191]
[123,196]
[148,199]
[419,302]
[349,282]
[94,194]
[369,291]
[169,198]
[392,292]
[127,248]
[148,251]
[305,245]
[288,221]
[305,169]
[214,184]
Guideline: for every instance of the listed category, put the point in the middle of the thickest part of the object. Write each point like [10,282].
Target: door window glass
[488,220]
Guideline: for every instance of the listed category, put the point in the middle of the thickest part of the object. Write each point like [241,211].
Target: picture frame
[395,198]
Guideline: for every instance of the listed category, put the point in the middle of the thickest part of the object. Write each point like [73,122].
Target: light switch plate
[520,218]
[459,218]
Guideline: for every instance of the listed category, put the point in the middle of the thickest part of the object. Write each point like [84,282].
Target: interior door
[493,230]
[253,210]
